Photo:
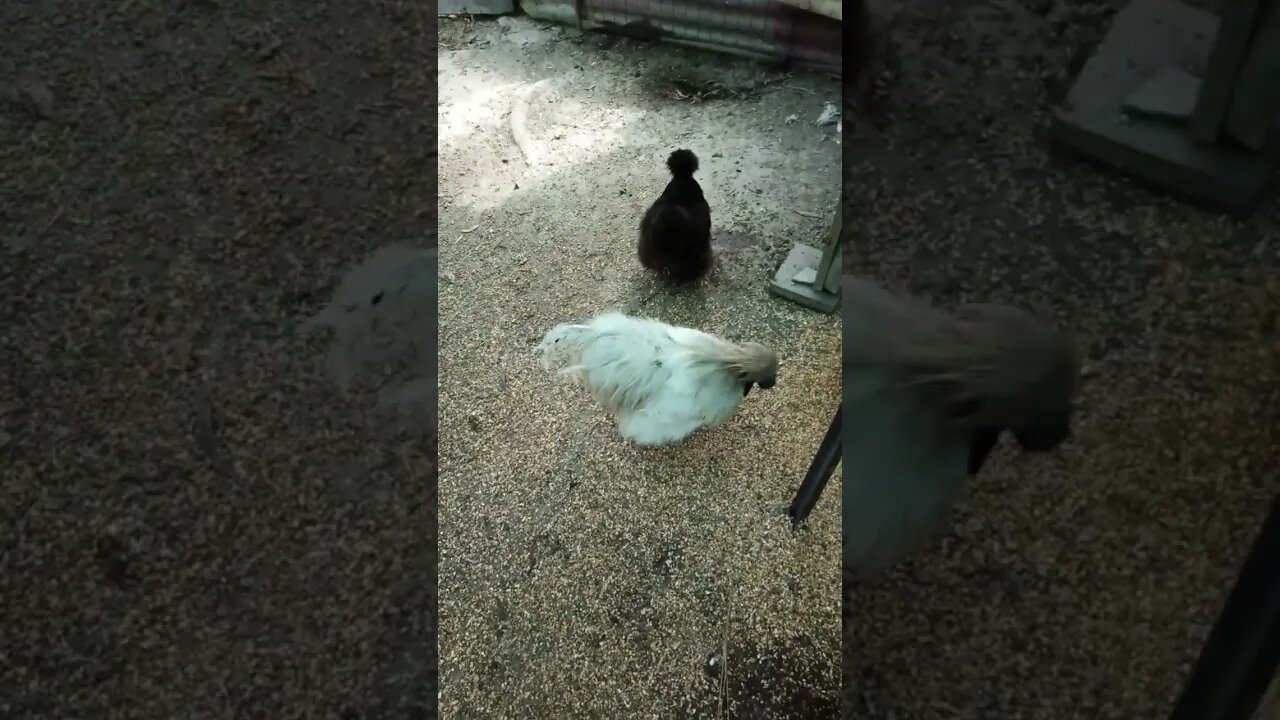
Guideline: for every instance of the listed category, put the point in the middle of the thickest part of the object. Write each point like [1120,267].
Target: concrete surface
[581,576]
[811,275]
[1170,96]
[796,277]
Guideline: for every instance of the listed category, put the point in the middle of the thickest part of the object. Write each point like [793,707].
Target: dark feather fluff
[675,233]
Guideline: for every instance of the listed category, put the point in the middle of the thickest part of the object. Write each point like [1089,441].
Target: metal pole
[820,470]
[1239,660]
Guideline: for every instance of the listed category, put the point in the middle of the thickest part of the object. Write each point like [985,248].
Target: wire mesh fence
[796,33]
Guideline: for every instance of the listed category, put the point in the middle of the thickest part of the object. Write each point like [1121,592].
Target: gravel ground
[1269,708]
[583,577]
[1079,585]
[195,526]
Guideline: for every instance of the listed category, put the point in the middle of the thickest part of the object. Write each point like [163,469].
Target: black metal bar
[820,470]
[1240,657]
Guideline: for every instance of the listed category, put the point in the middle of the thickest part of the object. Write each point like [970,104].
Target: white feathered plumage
[383,314]
[661,382]
[927,392]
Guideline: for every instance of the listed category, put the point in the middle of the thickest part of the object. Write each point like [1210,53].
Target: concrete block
[1146,39]
[802,262]
[1171,95]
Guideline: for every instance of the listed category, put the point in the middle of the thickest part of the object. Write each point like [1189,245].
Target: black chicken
[675,234]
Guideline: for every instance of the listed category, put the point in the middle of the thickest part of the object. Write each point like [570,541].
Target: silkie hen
[384,314]
[675,233]
[927,395]
[661,382]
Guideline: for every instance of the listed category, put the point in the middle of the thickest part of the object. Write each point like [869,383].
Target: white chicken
[661,382]
[927,393]
[383,313]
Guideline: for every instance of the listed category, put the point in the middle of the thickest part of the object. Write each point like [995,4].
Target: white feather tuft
[383,315]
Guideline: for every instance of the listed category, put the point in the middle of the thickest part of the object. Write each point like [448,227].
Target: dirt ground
[1080,585]
[195,526]
[581,576]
